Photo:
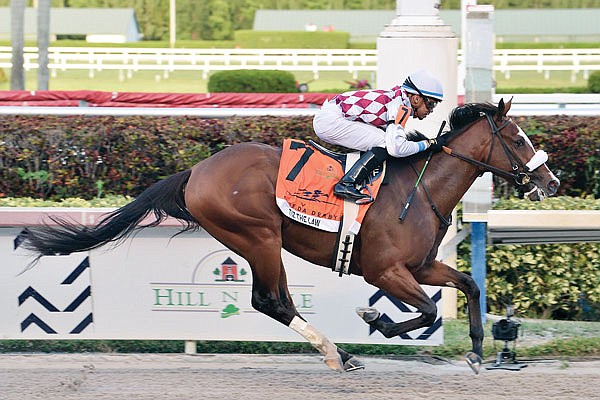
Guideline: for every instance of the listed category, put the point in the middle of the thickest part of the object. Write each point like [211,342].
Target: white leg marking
[319,341]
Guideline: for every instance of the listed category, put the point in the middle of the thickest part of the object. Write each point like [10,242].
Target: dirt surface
[253,377]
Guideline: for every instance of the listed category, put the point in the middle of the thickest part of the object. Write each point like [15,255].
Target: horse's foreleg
[399,282]
[319,341]
[271,297]
[440,274]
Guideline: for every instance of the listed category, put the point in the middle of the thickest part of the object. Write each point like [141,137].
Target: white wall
[155,287]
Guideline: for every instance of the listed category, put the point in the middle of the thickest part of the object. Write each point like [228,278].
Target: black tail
[164,198]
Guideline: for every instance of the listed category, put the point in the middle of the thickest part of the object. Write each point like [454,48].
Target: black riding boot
[370,160]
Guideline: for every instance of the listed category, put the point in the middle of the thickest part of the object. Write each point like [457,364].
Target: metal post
[172,23]
[43,40]
[478,264]
[479,62]
[17,38]
[190,347]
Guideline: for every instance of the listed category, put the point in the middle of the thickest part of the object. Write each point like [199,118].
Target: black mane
[460,118]
[469,113]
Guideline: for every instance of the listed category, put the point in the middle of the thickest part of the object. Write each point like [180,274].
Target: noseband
[519,171]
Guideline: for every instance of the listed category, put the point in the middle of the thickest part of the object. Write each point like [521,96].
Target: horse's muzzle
[552,187]
[538,194]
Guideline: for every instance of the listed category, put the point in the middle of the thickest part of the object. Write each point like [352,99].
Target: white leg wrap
[319,341]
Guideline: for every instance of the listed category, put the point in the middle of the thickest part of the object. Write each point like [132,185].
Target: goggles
[429,102]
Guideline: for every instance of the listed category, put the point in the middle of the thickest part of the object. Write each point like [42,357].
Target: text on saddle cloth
[305,184]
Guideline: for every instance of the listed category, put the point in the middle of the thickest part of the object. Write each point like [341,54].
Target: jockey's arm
[398,146]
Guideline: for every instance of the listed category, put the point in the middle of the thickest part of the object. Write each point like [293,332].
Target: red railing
[91,98]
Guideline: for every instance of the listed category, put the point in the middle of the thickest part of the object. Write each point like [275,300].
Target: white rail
[588,105]
[129,60]
[205,60]
[543,226]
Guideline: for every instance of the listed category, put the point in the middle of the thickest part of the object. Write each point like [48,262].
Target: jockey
[373,121]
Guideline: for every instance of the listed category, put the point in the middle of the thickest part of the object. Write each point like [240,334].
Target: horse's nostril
[553,186]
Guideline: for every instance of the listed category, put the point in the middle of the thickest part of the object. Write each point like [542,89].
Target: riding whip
[414,189]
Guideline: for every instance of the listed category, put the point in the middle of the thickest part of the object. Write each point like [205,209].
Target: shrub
[594,82]
[52,157]
[56,157]
[573,144]
[545,280]
[252,81]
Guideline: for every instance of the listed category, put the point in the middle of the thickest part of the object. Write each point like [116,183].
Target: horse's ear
[508,104]
[500,113]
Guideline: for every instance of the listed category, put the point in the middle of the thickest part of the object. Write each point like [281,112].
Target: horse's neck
[450,178]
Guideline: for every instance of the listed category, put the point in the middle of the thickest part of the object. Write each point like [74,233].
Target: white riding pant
[331,126]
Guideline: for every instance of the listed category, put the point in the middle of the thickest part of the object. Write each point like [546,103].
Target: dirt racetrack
[290,377]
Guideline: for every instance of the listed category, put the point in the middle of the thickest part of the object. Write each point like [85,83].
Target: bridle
[520,172]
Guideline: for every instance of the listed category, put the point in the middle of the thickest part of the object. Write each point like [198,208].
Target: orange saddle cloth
[305,184]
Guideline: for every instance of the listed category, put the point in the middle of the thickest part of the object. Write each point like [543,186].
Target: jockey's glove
[436,144]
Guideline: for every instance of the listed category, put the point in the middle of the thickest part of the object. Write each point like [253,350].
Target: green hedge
[249,39]
[77,156]
[550,281]
[594,82]
[573,144]
[252,81]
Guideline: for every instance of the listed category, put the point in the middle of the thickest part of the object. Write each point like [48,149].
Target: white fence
[129,60]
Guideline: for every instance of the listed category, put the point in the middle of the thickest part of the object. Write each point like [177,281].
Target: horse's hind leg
[440,274]
[399,283]
[271,297]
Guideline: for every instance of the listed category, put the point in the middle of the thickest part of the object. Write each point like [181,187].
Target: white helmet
[423,83]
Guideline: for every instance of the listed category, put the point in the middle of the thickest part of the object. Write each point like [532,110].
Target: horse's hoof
[474,361]
[353,364]
[334,362]
[368,314]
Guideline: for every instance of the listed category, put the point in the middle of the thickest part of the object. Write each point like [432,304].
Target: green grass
[192,82]
[175,82]
[222,44]
[537,339]
[536,80]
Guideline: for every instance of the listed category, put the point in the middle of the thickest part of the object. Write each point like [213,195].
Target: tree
[216,25]
[242,13]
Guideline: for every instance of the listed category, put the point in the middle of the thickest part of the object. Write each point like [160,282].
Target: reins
[446,222]
[520,178]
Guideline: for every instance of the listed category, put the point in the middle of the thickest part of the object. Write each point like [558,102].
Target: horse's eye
[519,143]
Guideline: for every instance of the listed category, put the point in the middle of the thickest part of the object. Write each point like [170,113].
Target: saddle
[304,192]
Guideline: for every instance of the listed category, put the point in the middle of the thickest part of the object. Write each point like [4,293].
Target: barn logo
[221,284]
[229,271]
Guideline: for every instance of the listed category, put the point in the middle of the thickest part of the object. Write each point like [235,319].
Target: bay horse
[232,196]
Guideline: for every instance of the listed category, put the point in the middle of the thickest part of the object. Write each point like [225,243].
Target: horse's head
[510,153]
